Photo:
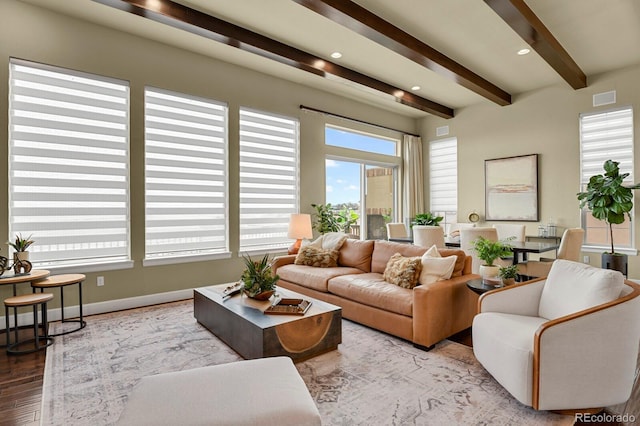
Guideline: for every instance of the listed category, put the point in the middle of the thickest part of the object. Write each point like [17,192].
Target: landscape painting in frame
[511,188]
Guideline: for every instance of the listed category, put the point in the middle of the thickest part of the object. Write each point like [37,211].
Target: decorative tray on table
[289,307]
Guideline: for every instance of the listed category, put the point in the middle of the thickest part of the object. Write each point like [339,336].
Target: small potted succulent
[20,245]
[488,251]
[259,281]
[508,274]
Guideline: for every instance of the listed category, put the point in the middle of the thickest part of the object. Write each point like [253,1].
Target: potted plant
[259,281]
[328,220]
[324,219]
[609,200]
[426,219]
[508,274]
[488,251]
[20,245]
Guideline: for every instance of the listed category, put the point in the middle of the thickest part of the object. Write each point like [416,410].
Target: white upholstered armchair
[566,342]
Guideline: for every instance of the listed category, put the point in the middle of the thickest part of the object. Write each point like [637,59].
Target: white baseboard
[26,318]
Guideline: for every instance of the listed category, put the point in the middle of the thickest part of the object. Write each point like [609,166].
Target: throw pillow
[403,271]
[313,256]
[436,268]
[329,241]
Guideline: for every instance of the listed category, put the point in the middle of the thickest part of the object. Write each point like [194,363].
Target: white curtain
[413,182]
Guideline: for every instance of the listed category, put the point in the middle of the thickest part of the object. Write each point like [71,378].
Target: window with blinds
[68,164]
[268,179]
[603,136]
[185,175]
[443,179]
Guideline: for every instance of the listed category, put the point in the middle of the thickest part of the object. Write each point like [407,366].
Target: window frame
[86,112]
[585,215]
[188,254]
[281,241]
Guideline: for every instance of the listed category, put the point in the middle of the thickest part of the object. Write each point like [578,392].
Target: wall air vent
[604,98]
[442,131]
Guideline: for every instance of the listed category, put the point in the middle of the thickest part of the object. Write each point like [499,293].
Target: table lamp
[299,228]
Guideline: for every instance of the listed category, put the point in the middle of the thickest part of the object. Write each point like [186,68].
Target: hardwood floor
[20,386]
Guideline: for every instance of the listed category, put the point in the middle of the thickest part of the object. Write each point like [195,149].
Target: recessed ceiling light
[336,55]
[523,51]
[414,88]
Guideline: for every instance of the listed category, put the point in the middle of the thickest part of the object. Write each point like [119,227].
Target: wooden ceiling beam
[182,17]
[371,26]
[521,18]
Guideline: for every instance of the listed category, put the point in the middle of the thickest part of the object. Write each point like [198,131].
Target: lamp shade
[300,226]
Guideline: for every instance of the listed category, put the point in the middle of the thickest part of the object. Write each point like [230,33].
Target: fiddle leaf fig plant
[607,198]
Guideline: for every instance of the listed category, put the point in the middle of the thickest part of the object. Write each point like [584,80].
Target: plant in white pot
[20,245]
[609,200]
[488,251]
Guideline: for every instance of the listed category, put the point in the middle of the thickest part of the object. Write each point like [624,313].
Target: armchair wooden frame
[549,325]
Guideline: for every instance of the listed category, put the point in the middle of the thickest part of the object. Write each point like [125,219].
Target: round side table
[479,286]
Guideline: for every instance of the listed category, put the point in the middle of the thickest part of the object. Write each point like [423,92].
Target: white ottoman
[266,391]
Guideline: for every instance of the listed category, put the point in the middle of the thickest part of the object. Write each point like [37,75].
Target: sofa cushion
[573,286]
[312,277]
[403,271]
[383,250]
[460,259]
[356,254]
[436,268]
[372,290]
[313,256]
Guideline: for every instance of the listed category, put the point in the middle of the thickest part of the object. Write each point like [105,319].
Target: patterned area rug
[372,379]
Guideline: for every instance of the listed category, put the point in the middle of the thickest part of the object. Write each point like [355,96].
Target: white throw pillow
[435,267]
[329,241]
[573,286]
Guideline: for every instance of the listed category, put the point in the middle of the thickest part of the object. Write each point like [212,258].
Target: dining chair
[570,248]
[397,230]
[427,236]
[509,230]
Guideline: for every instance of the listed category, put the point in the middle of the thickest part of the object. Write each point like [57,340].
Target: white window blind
[185,175]
[68,164]
[268,179]
[443,175]
[604,136]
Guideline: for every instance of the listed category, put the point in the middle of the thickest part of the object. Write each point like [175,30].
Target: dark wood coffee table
[240,322]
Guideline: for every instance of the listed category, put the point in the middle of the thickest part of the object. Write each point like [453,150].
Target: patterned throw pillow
[314,256]
[403,271]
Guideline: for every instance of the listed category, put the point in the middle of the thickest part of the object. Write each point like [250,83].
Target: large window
[185,175]
[68,164]
[268,179]
[603,136]
[443,180]
[363,180]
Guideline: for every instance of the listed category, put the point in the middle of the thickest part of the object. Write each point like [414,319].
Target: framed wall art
[511,188]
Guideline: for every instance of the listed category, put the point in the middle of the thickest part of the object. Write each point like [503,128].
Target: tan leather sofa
[423,315]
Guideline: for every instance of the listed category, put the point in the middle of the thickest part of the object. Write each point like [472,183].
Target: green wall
[32,33]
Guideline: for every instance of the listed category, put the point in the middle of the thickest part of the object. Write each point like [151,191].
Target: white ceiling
[600,35]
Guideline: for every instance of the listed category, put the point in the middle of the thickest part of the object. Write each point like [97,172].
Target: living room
[542,120]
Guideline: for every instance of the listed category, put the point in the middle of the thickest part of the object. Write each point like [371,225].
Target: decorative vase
[20,255]
[487,272]
[616,262]
[508,281]
[264,295]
